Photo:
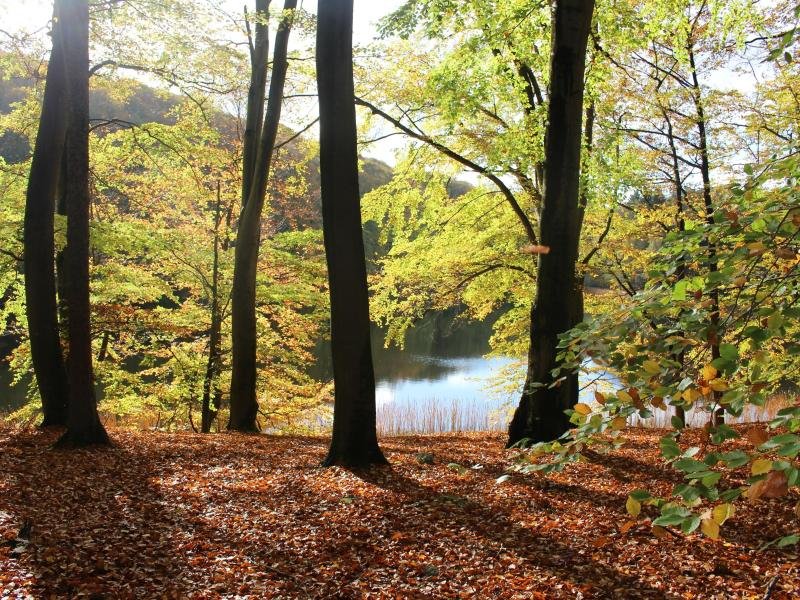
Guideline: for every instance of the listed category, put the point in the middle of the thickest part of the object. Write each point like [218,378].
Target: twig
[770,587]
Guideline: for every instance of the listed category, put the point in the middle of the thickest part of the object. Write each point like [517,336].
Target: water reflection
[439,381]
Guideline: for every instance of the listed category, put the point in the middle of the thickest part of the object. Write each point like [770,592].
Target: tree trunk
[558,305]
[354,442]
[254,118]
[212,367]
[83,422]
[708,204]
[680,273]
[39,245]
[244,405]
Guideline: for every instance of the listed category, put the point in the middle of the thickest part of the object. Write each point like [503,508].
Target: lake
[439,381]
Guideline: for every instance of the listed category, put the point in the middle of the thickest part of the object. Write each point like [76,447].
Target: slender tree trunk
[680,273]
[354,442]
[39,246]
[244,405]
[83,422]
[212,367]
[708,204]
[558,305]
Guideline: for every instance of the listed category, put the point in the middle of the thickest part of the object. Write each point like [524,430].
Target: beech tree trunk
[244,405]
[708,205]
[209,406]
[39,245]
[558,305]
[355,442]
[83,422]
[680,273]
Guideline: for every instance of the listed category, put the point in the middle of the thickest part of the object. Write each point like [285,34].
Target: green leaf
[670,519]
[691,523]
[735,459]
[788,540]
[690,465]
[729,352]
[640,495]
[669,447]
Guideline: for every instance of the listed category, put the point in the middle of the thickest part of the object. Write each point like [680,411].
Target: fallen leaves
[227,516]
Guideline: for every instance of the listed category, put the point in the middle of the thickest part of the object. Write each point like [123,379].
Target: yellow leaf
[721,513]
[709,372]
[618,423]
[760,466]
[718,385]
[583,409]
[651,367]
[625,396]
[710,528]
[633,506]
[691,395]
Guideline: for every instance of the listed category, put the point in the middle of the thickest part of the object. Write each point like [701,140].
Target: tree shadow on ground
[97,521]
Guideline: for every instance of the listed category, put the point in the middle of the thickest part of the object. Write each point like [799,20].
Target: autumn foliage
[192,516]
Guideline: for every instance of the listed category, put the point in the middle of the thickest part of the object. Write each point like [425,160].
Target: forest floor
[230,516]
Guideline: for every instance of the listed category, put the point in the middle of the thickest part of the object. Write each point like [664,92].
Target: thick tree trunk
[354,442]
[244,405]
[214,342]
[83,422]
[558,305]
[254,118]
[39,246]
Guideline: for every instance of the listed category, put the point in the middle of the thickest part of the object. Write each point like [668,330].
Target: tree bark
[354,443]
[212,367]
[83,422]
[39,245]
[680,273]
[254,118]
[715,334]
[558,305]
[244,405]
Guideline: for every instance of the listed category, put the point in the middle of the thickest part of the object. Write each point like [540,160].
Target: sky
[34,15]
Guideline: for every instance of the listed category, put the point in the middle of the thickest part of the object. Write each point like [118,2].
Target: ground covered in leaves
[228,516]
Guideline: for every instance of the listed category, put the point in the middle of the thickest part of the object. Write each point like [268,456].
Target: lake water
[439,381]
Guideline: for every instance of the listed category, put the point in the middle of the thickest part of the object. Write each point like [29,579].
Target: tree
[257,162]
[39,244]
[559,294]
[211,407]
[83,422]
[484,107]
[354,442]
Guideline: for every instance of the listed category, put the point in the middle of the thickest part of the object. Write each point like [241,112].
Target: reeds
[434,416]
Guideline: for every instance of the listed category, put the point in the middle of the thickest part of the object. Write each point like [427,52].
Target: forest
[400,299]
